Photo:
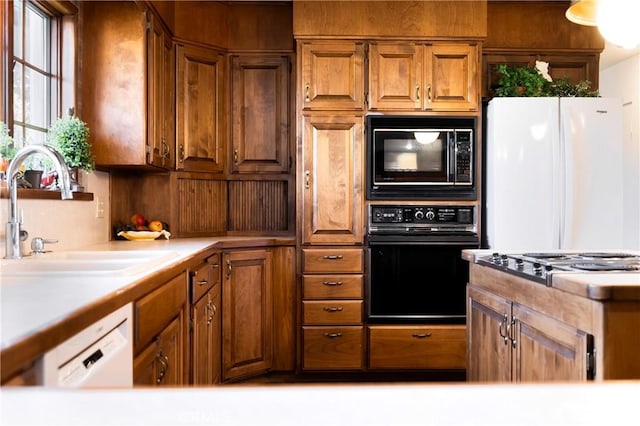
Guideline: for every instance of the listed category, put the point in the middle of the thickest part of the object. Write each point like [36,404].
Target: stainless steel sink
[87,262]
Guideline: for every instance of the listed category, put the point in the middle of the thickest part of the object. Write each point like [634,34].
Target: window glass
[34,87]
[36,38]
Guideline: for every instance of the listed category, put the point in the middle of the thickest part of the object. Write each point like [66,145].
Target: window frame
[64,45]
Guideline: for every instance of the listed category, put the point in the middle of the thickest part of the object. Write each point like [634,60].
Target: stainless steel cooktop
[540,266]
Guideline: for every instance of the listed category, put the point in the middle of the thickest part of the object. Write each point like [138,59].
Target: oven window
[416,282]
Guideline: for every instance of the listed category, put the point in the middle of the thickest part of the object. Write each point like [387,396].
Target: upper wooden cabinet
[332,189]
[161,69]
[200,109]
[127,86]
[260,114]
[417,77]
[332,75]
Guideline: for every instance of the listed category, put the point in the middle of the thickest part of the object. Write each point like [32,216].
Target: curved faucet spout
[64,181]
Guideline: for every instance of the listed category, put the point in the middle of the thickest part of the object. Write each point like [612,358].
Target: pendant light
[616,19]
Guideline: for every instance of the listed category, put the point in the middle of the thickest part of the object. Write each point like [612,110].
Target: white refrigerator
[554,176]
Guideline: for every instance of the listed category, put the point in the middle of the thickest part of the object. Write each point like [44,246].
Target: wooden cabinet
[331,75]
[417,347]
[127,86]
[160,335]
[260,114]
[161,96]
[508,342]
[332,309]
[417,76]
[247,314]
[200,122]
[332,182]
[206,348]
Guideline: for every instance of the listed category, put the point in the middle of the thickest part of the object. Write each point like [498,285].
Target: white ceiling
[614,54]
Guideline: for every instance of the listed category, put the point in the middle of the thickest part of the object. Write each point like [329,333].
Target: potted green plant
[527,81]
[70,136]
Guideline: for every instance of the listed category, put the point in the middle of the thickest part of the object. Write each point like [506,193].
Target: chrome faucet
[14,225]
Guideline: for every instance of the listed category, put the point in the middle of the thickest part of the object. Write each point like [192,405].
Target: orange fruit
[155,225]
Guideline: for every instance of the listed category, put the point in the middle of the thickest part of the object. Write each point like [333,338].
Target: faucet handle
[37,244]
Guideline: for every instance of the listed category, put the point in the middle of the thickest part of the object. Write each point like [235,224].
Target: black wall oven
[415,270]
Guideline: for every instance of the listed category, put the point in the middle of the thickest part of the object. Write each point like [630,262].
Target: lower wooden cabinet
[417,347]
[511,342]
[205,322]
[162,362]
[247,314]
[333,348]
[160,335]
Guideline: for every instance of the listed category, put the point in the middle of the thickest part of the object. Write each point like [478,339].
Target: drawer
[332,260]
[155,310]
[332,312]
[333,348]
[200,281]
[414,347]
[332,286]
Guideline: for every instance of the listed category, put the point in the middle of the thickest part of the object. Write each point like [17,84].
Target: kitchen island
[553,324]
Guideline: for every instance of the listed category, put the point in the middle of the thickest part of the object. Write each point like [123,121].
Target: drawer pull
[421,335]
[332,335]
[331,283]
[332,257]
[332,308]
[203,282]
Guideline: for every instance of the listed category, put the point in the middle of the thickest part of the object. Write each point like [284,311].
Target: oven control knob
[430,215]
[537,268]
[419,215]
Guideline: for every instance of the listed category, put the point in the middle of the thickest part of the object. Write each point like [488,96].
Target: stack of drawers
[332,309]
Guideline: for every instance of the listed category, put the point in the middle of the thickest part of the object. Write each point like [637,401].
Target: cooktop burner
[604,267]
[540,266]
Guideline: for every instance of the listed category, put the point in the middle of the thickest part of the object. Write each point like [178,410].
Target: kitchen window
[40,80]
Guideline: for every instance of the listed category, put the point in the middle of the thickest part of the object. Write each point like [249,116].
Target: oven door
[416,282]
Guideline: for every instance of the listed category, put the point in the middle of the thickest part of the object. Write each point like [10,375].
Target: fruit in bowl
[138,219]
[155,225]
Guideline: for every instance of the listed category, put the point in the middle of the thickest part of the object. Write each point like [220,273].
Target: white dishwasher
[100,356]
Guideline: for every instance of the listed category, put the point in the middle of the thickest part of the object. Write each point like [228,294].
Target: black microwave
[420,157]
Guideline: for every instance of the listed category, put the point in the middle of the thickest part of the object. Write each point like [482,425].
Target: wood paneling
[284,307]
[433,19]
[263,26]
[256,205]
[199,207]
[537,25]
[202,22]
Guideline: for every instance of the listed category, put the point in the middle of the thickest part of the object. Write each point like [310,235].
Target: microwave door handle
[451,157]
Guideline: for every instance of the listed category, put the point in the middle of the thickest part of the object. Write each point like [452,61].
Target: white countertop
[611,403]
[29,303]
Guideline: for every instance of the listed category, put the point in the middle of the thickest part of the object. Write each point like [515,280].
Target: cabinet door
[161,363]
[200,103]
[332,75]
[260,114]
[488,347]
[161,141]
[451,77]
[332,180]
[246,313]
[546,349]
[202,342]
[395,76]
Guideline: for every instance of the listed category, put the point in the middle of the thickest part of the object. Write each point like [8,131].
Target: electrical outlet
[99,208]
